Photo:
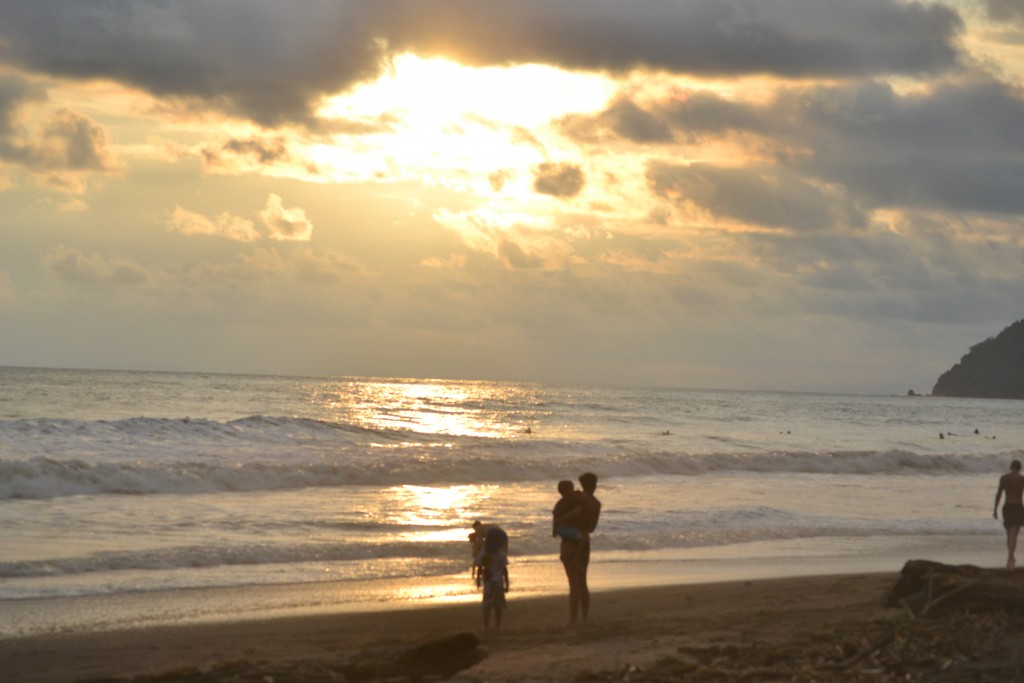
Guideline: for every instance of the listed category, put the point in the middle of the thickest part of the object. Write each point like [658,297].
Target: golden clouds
[76,267]
[224,225]
[285,224]
[278,222]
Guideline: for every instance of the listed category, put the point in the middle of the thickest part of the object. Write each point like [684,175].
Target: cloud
[497,179]
[1005,10]
[635,124]
[272,62]
[281,270]
[73,142]
[60,141]
[558,179]
[760,196]
[261,59]
[266,151]
[515,257]
[14,92]
[74,267]
[255,155]
[707,37]
[624,119]
[453,261]
[516,241]
[224,225]
[285,224]
[958,145]
[279,223]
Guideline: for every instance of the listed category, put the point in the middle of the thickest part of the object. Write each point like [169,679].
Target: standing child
[492,575]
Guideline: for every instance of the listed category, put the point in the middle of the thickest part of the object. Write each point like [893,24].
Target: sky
[806,195]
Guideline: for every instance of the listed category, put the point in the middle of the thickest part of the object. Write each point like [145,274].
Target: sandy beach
[801,628]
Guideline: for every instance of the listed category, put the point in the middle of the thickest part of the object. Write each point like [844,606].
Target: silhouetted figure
[575,555]
[591,512]
[477,538]
[492,575]
[565,516]
[1012,484]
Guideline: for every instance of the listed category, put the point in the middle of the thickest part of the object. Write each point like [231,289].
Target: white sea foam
[47,477]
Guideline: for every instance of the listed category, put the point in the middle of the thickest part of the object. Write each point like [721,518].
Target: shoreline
[532,576]
[628,627]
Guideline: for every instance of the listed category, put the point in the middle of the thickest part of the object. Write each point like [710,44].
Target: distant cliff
[992,369]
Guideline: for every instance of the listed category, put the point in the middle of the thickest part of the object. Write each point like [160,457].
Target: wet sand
[629,630]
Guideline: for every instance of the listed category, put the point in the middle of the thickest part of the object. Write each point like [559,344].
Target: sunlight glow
[441,408]
[429,505]
[440,91]
[452,125]
[440,592]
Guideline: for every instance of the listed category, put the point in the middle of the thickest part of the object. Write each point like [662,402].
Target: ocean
[134,498]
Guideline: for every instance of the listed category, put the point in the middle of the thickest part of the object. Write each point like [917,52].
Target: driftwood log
[927,588]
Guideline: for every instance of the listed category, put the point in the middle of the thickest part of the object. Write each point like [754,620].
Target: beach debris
[955,648]
[925,588]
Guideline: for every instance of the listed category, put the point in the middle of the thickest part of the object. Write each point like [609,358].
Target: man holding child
[574,518]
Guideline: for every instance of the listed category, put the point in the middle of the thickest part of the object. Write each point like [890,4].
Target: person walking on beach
[491,571]
[1012,484]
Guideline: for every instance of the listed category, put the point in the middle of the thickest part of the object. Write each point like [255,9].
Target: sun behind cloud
[455,125]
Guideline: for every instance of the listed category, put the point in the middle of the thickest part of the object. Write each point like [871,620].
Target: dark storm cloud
[262,59]
[958,146]
[270,61]
[558,180]
[980,117]
[711,37]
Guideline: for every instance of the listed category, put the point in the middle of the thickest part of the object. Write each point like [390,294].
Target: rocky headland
[993,368]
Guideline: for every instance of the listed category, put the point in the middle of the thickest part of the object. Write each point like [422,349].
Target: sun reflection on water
[436,509]
[449,408]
